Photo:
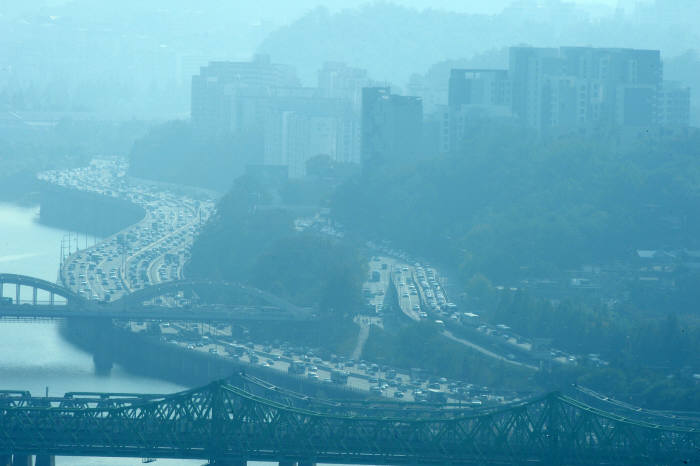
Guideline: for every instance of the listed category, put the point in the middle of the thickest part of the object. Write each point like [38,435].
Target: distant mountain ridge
[393,42]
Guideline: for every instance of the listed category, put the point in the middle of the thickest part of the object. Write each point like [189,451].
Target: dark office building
[391,126]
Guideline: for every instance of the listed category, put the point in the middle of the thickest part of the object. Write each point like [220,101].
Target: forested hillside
[509,205]
[251,242]
[174,153]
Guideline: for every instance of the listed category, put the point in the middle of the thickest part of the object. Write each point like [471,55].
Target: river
[33,355]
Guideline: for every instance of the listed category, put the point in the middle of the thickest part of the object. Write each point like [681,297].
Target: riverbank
[21,188]
[85,212]
[153,356]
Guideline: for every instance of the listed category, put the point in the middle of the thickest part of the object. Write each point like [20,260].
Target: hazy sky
[288,10]
[466,6]
[280,10]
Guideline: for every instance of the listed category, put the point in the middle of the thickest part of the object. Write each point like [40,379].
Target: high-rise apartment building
[479,87]
[339,81]
[391,126]
[556,90]
[472,94]
[286,124]
[674,105]
[297,129]
[225,94]
[585,87]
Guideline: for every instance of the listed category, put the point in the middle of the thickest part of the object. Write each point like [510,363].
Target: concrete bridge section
[203,313]
[131,307]
[228,425]
[36,284]
[259,297]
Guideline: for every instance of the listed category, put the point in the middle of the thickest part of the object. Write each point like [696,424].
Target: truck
[340,377]
[436,396]
[296,368]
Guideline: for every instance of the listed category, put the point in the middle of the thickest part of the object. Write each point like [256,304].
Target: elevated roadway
[132,307]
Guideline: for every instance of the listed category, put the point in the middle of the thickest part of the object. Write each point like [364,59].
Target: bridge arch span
[139,296]
[39,284]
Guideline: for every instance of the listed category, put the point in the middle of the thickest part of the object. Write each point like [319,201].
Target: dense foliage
[421,345]
[508,204]
[173,152]
[509,208]
[621,335]
[251,242]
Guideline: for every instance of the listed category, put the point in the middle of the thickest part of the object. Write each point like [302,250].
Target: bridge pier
[45,460]
[34,293]
[21,460]
[17,293]
[51,298]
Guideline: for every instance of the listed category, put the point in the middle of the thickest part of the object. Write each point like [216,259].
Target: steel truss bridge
[134,306]
[245,419]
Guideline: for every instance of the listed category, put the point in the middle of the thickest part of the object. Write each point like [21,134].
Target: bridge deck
[132,307]
[202,313]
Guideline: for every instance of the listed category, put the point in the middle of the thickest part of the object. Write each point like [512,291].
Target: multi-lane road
[155,249]
[152,251]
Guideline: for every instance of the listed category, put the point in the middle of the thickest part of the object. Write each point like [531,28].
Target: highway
[218,341]
[155,249]
[152,251]
[422,296]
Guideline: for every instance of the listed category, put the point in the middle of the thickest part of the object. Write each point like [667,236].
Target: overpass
[227,423]
[260,306]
